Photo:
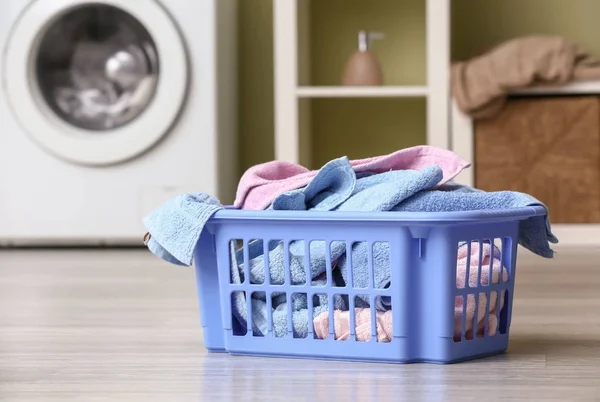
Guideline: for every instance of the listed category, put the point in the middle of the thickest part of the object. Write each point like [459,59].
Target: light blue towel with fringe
[175,227]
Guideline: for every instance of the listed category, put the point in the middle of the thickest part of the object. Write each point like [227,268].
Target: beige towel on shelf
[480,86]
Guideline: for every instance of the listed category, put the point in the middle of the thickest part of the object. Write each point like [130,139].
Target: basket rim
[509,214]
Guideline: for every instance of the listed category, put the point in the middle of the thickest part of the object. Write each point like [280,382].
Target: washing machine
[107,109]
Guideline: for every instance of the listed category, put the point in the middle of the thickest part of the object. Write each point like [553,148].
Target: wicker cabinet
[548,147]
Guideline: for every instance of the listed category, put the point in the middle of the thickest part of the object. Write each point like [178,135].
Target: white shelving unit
[575,88]
[362,92]
[292,57]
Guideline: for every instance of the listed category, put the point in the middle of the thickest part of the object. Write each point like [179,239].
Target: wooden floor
[123,326]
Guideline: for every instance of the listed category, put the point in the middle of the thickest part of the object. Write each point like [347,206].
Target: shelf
[589,87]
[313,41]
[361,92]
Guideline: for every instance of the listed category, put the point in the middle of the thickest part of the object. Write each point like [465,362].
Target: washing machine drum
[95,83]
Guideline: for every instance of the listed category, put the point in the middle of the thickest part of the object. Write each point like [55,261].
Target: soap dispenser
[363,68]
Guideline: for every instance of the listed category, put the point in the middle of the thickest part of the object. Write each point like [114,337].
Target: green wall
[478,24]
[360,128]
[255,108]
[367,127]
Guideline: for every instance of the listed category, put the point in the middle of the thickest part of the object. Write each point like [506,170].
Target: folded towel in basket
[362,324]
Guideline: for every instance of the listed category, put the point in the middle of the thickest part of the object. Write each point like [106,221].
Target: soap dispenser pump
[363,68]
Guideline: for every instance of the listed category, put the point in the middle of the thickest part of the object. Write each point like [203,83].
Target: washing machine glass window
[95,82]
[97,67]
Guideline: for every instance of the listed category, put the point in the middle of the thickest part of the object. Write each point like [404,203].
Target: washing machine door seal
[75,143]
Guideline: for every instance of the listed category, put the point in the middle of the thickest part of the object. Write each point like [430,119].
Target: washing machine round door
[95,82]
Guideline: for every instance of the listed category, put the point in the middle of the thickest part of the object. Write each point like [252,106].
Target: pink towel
[341,323]
[261,184]
[461,273]
[362,320]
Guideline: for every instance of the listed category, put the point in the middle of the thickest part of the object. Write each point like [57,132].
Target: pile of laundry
[416,179]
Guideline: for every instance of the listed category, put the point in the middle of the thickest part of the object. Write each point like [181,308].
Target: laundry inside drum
[97,67]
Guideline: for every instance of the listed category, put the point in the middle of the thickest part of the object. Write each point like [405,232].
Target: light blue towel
[331,186]
[176,226]
[277,276]
[534,233]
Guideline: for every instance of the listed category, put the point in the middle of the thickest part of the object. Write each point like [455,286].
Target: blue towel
[534,233]
[330,187]
[176,226]
[277,275]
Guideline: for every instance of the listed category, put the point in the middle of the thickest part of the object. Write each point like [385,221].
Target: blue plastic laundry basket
[430,319]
